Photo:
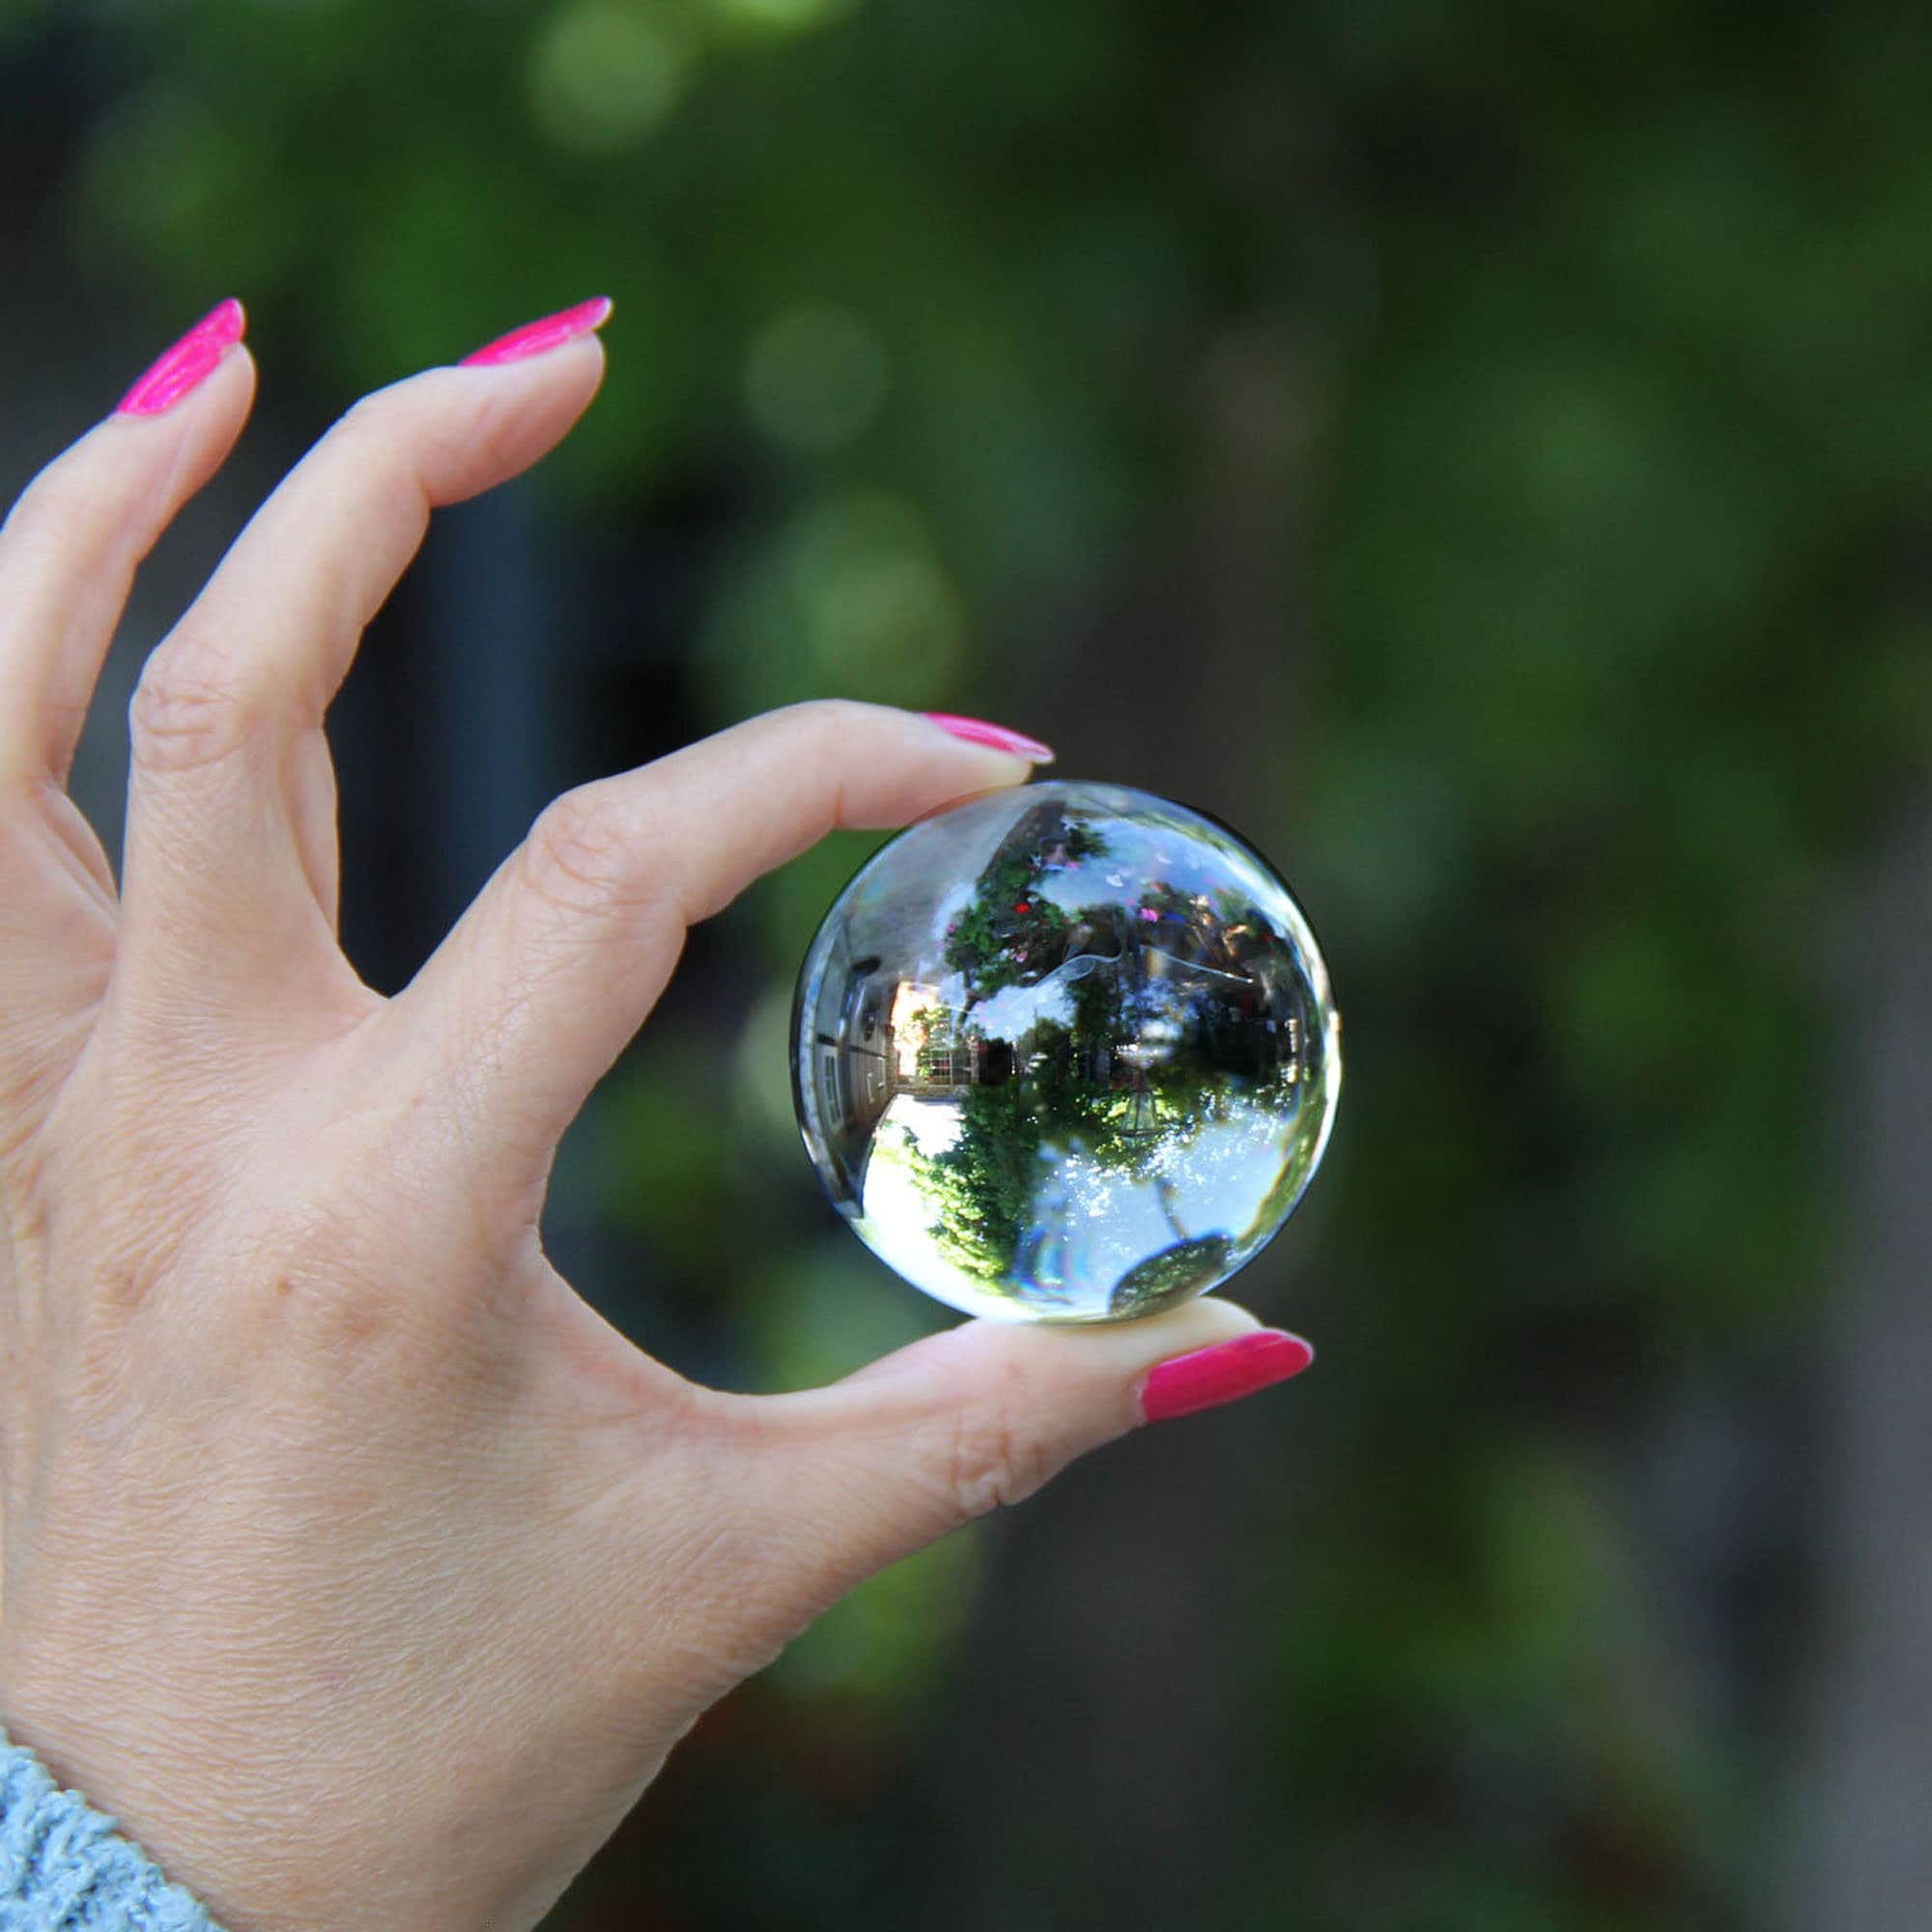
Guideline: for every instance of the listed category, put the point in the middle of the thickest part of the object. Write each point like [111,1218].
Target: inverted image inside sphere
[1065,1053]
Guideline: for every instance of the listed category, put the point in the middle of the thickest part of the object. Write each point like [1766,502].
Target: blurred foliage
[1610,322]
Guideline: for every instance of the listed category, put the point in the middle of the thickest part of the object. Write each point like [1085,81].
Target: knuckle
[374,432]
[828,724]
[376,444]
[378,431]
[998,1455]
[333,1320]
[376,417]
[491,441]
[580,859]
[186,710]
[415,432]
[324,1272]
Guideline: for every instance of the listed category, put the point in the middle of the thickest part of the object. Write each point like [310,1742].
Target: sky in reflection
[1090,1224]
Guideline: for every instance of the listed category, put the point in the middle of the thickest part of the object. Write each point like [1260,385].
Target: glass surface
[1065,1053]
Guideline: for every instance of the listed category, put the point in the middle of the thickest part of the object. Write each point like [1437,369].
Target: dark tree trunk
[1864,1836]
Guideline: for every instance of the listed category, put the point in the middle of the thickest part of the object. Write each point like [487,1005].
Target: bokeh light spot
[870,591]
[781,17]
[156,167]
[605,73]
[815,377]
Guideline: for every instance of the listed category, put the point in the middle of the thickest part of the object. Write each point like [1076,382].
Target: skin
[350,1560]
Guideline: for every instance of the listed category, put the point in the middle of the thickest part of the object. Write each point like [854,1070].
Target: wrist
[137,1808]
[63,1862]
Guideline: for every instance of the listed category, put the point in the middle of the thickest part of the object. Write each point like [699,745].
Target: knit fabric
[64,1868]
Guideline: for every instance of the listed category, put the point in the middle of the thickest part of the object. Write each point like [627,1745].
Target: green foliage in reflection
[1174,1274]
[1009,934]
[982,1188]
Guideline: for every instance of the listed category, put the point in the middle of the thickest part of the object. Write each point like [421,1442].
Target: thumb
[877,1465]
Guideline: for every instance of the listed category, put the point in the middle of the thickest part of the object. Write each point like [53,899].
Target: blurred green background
[1479,450]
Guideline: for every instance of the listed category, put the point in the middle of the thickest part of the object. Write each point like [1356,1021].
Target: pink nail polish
[1223,1372]
[187,363]
[550,331]
[976,731]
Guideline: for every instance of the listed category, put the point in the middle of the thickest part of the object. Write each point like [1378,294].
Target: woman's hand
[350,1558]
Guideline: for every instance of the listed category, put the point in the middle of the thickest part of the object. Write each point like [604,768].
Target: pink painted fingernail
[976,731]
[550,331]
[187,363]
[1221,1373]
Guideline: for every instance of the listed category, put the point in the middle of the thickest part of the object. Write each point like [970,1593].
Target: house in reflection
[935,1054]
[873,1038]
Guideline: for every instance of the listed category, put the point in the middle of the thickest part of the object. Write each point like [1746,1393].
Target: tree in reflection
[1075,1091]
[1010,933]
[1161,1023]
[1174,1274]
[982,1186]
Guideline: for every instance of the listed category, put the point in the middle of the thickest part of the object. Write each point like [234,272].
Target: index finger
[536,991]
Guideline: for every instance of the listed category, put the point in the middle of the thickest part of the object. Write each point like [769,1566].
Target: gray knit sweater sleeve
[64,1868]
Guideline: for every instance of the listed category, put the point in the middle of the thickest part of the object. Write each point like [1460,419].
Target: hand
[350,1560]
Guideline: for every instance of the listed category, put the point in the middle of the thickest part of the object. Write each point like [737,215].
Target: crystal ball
[1065,1053]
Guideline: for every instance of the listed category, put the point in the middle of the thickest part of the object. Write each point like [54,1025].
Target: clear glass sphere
[1065,1053]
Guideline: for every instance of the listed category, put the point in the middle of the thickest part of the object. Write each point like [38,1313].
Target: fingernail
[976,731]
[187,363]
[550,331]
[1223,1372]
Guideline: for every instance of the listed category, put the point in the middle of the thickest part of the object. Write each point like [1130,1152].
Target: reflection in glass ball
[1065,1053]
